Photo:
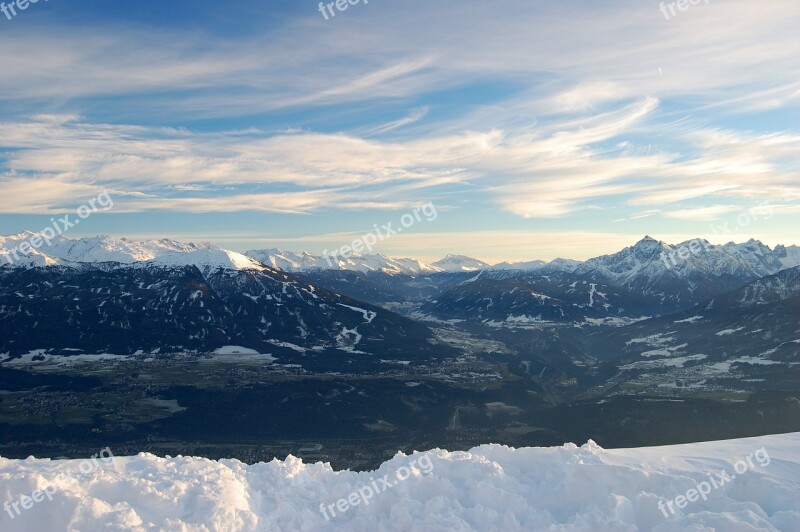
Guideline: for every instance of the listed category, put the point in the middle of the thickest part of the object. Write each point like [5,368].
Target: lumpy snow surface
[488,488]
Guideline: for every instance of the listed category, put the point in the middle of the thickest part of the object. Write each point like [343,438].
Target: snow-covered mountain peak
[459,263]
[288,261]
[648,240]
[789,256]
[567,265]
[649,245]
[24,235]
[31,259]
[644,256]
[208,259]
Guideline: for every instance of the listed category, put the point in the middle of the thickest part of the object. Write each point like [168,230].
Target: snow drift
[488,488]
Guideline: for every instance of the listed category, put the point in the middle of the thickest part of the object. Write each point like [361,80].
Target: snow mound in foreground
[488,488]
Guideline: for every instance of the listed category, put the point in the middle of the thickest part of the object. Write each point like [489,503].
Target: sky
[537,129]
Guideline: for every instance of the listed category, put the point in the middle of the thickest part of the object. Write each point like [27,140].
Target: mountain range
[103,295]
[648,259]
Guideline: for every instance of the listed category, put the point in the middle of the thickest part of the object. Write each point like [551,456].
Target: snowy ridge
[34,259]
[648,260]
[288,261]
[779,287]
[380,263]
[104,249]
[460,263]
[555,265]
[209,258]
[107,249]
[656,261]
[489,488]
[291,261]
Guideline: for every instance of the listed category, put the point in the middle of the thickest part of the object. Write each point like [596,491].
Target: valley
[228,357]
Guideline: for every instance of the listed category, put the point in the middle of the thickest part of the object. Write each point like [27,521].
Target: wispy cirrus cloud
[415,116]
[703,214]
[724,53]
[542,172]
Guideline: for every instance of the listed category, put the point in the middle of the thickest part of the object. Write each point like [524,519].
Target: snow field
[491,487]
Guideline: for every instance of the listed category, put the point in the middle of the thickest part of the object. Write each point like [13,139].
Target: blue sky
[538,130]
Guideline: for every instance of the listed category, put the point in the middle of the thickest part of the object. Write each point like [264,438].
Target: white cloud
[547,170]
[589,95]
[713,212]
[415,116]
